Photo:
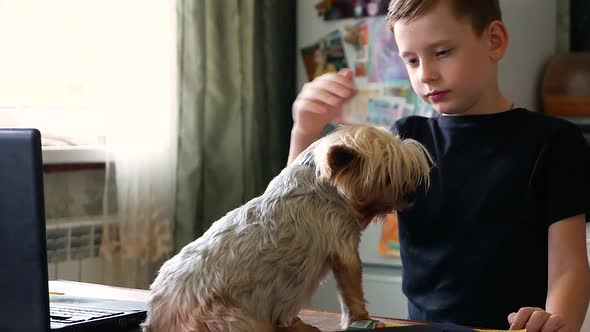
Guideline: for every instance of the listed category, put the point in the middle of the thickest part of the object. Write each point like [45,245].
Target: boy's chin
[443,108]
[446,110]
[450,113]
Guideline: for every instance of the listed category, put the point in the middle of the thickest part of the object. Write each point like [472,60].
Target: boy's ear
[341,157]
[498,40]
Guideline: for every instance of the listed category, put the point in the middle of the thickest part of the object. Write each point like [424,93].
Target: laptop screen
[24,299]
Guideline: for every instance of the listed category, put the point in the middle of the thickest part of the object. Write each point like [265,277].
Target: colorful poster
[385,111]
[357,35]
[389,241]
[414,105]
[340,9]
[355,110]
[384,63]
[399,88]
[327,55]
[368,48]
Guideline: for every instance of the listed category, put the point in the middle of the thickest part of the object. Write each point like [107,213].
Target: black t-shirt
[474,245]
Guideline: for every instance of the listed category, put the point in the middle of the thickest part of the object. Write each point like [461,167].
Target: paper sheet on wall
[384,90]
[389,240]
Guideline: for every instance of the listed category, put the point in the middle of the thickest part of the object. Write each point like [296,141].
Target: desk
[324,320]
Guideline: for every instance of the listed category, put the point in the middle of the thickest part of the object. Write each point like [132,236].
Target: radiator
[73,250]
[73,253]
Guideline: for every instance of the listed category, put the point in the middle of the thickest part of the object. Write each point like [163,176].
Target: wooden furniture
[566,85]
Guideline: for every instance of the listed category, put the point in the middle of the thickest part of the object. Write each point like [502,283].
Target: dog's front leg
[348,273]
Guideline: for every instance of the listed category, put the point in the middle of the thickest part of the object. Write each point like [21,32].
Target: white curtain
[141,138]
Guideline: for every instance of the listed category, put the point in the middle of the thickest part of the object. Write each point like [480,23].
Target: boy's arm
[568,285]
[299,142]
[316,105]
[569,274]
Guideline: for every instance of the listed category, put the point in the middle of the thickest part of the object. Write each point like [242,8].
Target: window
[81,69]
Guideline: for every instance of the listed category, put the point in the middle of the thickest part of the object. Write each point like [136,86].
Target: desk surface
[324,320]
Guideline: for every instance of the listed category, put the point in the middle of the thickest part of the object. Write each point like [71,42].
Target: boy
[498,239]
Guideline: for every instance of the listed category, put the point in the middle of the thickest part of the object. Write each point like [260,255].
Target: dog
[256,267]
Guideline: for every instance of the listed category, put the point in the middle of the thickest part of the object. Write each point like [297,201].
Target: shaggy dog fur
[256,267]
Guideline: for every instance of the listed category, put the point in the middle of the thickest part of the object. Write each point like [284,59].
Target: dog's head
[375,171]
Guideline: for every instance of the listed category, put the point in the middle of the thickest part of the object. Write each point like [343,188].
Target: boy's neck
[489,103]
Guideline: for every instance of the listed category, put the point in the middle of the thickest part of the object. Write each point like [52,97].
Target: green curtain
[580,25]
[236,86]
[563,25]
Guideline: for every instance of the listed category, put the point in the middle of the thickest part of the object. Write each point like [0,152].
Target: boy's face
[448,64]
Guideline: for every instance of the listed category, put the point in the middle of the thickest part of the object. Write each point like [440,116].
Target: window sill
[66,155]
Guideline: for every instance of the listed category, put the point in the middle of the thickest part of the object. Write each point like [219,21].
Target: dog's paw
[346,320]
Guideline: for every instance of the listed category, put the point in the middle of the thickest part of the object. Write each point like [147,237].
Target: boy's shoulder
[529,120]
[410,123]
[549,126]
[547,120]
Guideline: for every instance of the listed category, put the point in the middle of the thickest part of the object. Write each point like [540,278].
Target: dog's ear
[341,157]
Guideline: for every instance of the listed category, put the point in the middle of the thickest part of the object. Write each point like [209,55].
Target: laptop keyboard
[64,314]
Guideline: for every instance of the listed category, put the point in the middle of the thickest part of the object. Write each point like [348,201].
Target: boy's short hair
[481,12]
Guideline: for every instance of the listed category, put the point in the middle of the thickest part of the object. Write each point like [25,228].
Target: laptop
[24,295]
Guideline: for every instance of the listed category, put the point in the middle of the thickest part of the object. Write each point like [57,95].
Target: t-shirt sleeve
[402,127]
[566,176]
[395,128]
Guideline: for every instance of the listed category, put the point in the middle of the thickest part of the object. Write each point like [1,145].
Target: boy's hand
[321,100]
[535,320]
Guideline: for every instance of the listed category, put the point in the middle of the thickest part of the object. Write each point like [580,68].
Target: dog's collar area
[307,160]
